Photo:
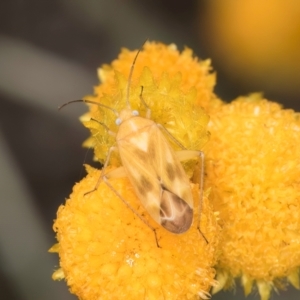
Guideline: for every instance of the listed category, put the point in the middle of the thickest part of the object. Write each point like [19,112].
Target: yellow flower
[105,250]
[255,42]
[253,169]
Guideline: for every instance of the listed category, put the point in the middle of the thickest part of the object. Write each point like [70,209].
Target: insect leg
[108,156]
[148,115]
[171,136]
[186,155]
[105,179]
[118,173]
[190,154]
[102,171]
[201,187]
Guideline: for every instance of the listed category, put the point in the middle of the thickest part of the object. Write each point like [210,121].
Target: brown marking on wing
[176,215]
[142,155]
[146,184]
[170,171]
[179,171]
[152,148]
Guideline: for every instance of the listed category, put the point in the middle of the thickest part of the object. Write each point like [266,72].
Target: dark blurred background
[49,54]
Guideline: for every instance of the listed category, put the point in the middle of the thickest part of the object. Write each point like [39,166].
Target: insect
[152,166]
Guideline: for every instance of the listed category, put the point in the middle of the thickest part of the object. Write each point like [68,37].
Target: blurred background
[49,54]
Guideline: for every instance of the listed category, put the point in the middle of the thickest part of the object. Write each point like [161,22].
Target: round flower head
[108,251]
[253,169]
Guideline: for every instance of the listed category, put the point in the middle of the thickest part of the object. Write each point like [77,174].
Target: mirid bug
[152,166]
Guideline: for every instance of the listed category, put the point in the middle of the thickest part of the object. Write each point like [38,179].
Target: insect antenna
[130,74]
[90,102]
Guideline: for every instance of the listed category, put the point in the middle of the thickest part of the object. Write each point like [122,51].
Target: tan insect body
[155,173]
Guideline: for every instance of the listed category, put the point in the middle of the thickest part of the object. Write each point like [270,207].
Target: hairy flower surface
[106,250]
[253,169]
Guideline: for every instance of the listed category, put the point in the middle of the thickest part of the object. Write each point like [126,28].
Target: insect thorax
[126,114]
[134,125]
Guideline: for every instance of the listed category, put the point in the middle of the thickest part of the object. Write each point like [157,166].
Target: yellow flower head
[175,87]
[108,252]
[253,168]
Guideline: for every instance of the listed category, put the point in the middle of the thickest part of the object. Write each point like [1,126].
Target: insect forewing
[156,174]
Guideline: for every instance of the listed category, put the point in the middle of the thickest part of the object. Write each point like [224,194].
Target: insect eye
[135,113]
[118,121]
